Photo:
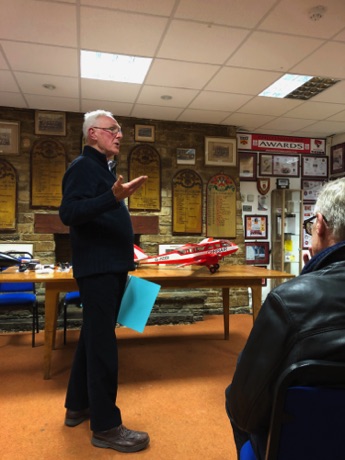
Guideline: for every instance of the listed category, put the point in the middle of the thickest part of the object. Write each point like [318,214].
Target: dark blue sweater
[100,227]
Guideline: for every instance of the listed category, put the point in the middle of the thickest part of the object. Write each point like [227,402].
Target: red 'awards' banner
[268,143]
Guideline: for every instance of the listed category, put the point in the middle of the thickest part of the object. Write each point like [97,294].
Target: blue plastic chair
[18,295]
[307,419]
[71,298]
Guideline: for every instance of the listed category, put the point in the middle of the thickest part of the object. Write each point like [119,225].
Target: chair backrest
[17,287]
[308,414]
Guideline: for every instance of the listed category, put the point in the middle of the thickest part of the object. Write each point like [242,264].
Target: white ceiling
[212,56]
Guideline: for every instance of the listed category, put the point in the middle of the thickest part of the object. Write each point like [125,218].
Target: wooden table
[228,276]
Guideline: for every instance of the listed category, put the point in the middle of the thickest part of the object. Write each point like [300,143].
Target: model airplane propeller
[208,252]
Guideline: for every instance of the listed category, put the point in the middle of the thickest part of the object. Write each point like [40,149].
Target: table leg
[256,300]
[226,307]
[51,306]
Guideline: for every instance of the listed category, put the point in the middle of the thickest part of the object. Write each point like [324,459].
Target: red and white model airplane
[208,252]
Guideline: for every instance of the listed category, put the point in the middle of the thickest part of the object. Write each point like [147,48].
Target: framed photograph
[257,253]
[311,189]
[255,227]
[278,165]
[185,156]
[220,151]
[50,123]
[337,159]
[9,136]
[144,133]
[248,166]
[308,211]
[315,166]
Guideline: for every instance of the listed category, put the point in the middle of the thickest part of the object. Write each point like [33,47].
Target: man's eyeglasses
[308,224]
[112,129]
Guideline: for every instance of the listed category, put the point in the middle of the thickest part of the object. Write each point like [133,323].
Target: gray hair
[90,119]
[331,204]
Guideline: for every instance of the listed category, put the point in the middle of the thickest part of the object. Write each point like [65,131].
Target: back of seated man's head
[331,204]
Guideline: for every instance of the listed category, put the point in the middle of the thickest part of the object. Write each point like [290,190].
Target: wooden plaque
[8,196]
[221,207]
[144,160]
[187,203]
[48,165]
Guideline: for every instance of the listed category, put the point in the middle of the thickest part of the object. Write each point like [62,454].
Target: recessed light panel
[114,67]
[301,87]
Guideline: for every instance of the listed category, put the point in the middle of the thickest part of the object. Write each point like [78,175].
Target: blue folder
[137,302]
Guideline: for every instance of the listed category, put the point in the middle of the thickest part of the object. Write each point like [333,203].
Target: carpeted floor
[172,382]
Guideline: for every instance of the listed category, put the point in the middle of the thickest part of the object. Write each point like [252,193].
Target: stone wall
[168,137]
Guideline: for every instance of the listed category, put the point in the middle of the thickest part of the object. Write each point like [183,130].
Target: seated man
[303,318]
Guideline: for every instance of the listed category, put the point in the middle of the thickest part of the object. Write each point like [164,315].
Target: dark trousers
[94,375]
[258,441]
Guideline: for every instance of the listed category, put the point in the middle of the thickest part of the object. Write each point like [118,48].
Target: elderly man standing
[301,319]
[102,254]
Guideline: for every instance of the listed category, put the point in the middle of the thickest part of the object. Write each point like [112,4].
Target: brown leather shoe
[121,439]
[76,417]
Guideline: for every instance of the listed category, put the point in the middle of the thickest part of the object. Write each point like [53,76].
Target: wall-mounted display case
[286,231]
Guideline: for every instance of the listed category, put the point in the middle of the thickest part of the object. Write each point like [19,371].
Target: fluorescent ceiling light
[114,67]
[285,85]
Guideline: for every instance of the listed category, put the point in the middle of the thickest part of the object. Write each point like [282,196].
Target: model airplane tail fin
[139,254]
[206,240]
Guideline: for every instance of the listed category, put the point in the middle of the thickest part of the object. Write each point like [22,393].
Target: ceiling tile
[154,112]
[243,81]
[12,100]
[213,44]
[326,127]
[288,124]
[269,106]
[108,90]
[268,51]
[179,97]
[324,62]
[250,121]
[7,82]
[122,33]
[288,14]
[180,75]
[202,116]
[117,108]
[156,7]
[219,101]
[315,110]
[42,59]
[340,116]
[244,13]
[33,84]
[39,22]
[52,103]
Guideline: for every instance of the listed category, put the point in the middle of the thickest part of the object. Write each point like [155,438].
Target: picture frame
[257,253]
[314,166]
[272,164]
[220,151]
[337,159]
[185,156]
[308,211]
[255,226]
[50,123]
[9,137]
[144,133]
[311,189]
[248,166]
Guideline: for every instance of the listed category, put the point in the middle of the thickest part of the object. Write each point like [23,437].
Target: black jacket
[100,227]
[303,318]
